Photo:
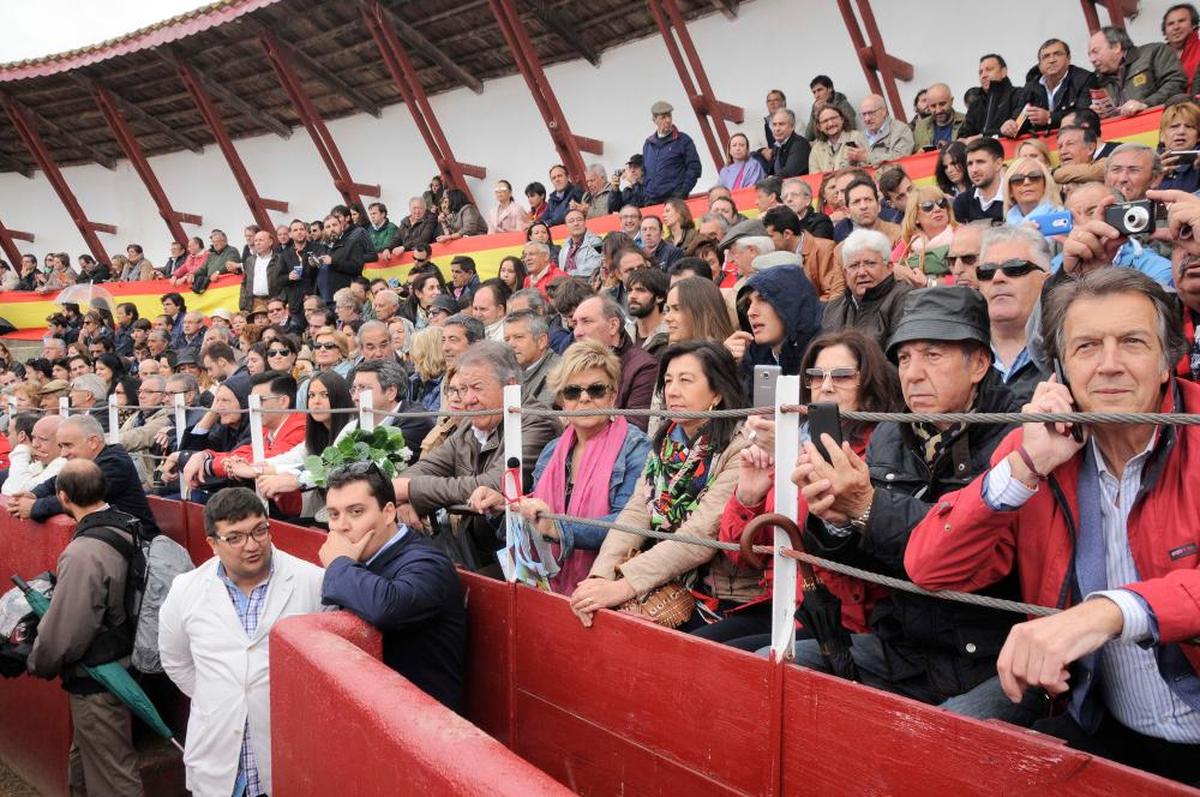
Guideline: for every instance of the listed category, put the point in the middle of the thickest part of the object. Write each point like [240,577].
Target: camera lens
[1136,219]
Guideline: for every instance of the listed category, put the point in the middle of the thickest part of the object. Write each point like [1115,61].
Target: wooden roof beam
[726,7]
[10,163]
[136,114]
[257,117]
[567,29]
[417,41]
[91,151]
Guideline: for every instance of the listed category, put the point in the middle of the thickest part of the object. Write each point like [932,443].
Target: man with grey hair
[601,319]
[789,150]
[886,140]
[1014,262]
[80,437]
[54,349]
[595,203]
[712,227]
[139,429]
[473,458]
[43,462]
[873,299]
[528,335]
[418,227]
[459,332]
[1135,78]
[743,251]
[539,268]
[375,342]
[1103,524]
[89,394]
[963,255]
[385,304]
[1133,169]
[158,343]
[797,194]
[530,300]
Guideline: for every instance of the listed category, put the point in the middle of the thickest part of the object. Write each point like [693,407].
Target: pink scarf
[589,499]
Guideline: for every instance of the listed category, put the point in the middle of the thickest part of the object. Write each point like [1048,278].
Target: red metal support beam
[395,57]
[8,240]
[45,161]
[520,45]
[874,57]
[208,110]
[710,113]
[133,151]
[313,123]
[1116,13]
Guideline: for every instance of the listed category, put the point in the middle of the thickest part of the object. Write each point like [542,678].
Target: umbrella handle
[21,583]
[775,520]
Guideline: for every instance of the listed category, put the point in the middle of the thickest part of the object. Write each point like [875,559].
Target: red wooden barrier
[342,721]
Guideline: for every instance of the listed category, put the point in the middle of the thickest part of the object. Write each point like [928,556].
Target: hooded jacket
[788,290]
[672,166]
[994,107]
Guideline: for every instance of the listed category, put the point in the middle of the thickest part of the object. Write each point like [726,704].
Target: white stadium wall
[772,44]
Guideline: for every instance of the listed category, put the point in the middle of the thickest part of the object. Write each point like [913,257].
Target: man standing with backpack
[88,623]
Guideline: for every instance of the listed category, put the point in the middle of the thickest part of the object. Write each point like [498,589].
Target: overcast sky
[44,27]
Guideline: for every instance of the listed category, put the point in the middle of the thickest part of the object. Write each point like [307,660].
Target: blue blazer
[412,594]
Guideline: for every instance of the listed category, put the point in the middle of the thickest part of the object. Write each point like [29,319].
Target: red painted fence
[622,708]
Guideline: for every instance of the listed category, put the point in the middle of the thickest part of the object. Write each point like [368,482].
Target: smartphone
[1192,153]
[824,419]
[1058,222]
[1076,429]
[765,377]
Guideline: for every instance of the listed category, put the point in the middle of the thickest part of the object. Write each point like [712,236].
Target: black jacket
[993,108]
[1072,96]
[817,224]
[348,255]
[951,646]
[123,490]
[790,159]
[412,594]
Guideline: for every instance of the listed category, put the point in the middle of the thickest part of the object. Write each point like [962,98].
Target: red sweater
[289,434]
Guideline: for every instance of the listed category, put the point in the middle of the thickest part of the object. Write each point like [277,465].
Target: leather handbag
[670,605]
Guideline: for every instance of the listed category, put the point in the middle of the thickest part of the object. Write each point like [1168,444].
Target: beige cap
[661,107]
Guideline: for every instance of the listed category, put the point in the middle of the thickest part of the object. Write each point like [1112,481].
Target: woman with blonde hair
[330,350]
[1035,148]
[1179,131]
[429,368]
[925,236]
[591,470]
[1029,190]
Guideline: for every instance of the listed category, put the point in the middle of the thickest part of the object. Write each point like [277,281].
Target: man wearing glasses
[213,639]
[395,580]
[140,429]
[873,299]
[1013,264]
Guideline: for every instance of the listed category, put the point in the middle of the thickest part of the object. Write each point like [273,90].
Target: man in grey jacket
[1135,78]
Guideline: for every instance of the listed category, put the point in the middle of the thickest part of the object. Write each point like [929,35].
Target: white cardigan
[208,656]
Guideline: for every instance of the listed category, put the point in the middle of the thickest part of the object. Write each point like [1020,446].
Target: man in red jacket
[1106,524]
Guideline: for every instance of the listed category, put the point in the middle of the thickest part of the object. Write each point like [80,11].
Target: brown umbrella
[820,611]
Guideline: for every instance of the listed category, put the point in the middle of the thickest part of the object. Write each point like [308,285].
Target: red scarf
[1189,59]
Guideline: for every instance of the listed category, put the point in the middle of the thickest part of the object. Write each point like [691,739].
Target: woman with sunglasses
[690,474]
[845,368]
[591,470]
[330,350]
[925,237]
[1029,191]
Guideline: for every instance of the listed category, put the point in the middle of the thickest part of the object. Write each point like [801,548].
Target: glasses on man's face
[595,391]
[838,377]
[1011,268]
[967,260]
[928,205]
[1022,179]
[149,392]
[863,264]
[238,539]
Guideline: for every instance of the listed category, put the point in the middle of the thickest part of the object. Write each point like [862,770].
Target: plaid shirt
[248,609]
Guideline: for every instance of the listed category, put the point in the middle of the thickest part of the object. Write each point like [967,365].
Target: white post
[64,406]
[787,448]
[256,428]
[366,417]
[510,484]
[114,424]
[185,492]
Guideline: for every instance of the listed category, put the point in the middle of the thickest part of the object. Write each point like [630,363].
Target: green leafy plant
[384,445]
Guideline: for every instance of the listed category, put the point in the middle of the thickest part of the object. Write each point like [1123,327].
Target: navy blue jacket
[412,594]
[672,166]
[557,205]
[788,290]
[123,490]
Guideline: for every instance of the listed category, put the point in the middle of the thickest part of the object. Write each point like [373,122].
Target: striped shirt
[248,608]
[1133,689]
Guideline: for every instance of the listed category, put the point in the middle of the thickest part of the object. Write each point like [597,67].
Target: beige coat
[668,560]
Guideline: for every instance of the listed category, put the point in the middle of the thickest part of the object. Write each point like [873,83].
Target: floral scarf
[676,477]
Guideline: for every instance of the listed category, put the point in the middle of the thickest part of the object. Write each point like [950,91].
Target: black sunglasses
[595,391]
[1022,179]
[1011,268]
[282,352]
[928,205]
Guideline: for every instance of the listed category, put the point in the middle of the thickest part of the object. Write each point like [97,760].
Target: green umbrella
[115,678]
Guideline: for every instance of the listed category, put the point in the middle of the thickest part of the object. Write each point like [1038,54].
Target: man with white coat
[213,639]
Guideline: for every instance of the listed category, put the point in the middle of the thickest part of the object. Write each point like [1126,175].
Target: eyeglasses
[1022,179]
[929,205]
[863,264]
[595,391]
[237,539]
[285,352]
[1011,268]
[967,260]
[840,377]
[150,392]
[325,346]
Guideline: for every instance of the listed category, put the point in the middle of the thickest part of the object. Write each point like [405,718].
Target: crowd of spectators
[881,294]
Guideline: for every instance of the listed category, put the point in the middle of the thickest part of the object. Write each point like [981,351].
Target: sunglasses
[1011,268]
[285,352]
[840,377]
[929,205]
[1022,179]
[325,346]
[967,260]
[595,391]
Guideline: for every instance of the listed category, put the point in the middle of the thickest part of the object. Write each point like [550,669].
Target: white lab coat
[207,654]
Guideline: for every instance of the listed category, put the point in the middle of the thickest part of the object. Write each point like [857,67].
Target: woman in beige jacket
[692,471]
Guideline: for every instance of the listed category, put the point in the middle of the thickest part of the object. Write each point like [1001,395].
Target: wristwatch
[859,523]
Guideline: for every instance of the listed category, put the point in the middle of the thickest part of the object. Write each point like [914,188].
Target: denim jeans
[985,701]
